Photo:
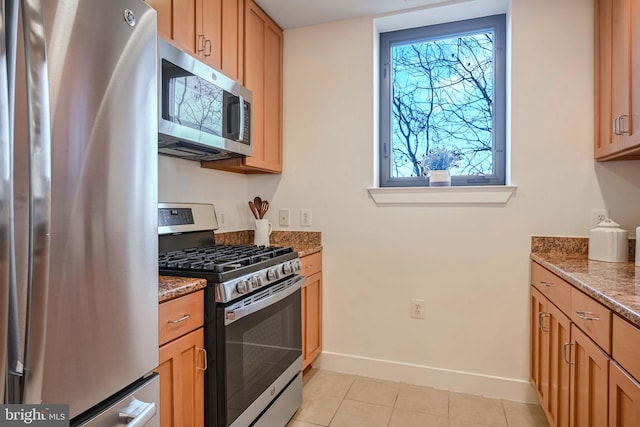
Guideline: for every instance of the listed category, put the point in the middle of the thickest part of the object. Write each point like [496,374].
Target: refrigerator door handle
[137,413]
[39,197]
[5,203]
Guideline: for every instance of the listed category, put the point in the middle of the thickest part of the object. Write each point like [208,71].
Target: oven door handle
[234,314]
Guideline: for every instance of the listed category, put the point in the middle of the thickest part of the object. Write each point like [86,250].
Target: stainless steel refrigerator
[78,208]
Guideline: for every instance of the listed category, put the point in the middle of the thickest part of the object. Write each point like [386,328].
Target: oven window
[259,348]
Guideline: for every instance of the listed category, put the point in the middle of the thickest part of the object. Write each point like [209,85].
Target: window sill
[493,195]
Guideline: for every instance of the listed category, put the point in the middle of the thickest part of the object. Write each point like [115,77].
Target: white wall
[184,181]
[470,264]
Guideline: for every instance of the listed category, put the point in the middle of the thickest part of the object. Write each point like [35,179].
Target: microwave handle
[241,118]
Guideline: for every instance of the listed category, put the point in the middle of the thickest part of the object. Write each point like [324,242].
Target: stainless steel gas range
[253,331]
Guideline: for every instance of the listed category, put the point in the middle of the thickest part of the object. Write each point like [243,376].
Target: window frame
[387,40]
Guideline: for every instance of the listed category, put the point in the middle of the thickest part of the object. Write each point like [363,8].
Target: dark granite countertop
[173,287]
[303,242]
[616,285]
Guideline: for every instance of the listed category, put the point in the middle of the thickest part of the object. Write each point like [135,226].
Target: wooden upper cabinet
[223,20]
[239,39]
[617,71]
[180,22]
[210,30]
[263,77]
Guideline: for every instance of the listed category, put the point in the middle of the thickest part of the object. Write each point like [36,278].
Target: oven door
[262,342]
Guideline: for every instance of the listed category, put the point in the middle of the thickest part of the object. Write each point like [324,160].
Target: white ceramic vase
[439,179]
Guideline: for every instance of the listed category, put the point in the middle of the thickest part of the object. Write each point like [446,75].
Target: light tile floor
[340,400]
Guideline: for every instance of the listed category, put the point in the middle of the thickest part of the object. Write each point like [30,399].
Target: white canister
[638,246]
[608,242]
[262,233]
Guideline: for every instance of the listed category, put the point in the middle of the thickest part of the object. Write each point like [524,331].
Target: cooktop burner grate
[219,258]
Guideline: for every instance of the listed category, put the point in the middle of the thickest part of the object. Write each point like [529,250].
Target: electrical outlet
[283,214]
[598,215]
[417,309]
[222,219]
[305,217]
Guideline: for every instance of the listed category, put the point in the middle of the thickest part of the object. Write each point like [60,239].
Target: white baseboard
[444,379]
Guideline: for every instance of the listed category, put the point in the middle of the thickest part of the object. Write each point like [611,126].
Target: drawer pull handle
[204,355]
[547,284]
[564,353]
[182,319]
[541,316]
[586,315]
[310,266]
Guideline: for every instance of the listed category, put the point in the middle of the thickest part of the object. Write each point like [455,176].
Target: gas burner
[219,258]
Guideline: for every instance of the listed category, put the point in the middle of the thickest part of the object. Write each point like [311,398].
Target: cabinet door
[589,382]
[539,343]
[182,365]
[311,319]
[180,21]
[558,368]
[624,398]
[223,26]
[617,65]
[263,76]
[164,10]
[187,26]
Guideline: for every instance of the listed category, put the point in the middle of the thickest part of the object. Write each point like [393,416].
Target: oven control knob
[287,268]
[256,282]
[272,274]
[297,266]
[242,287]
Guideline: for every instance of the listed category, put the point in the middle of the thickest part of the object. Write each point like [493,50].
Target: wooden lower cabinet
[550,333]
[311,319]
[589,382]
[311,308]
[181,369]
[558,371]
[182,361]
[624,398]
[539,343]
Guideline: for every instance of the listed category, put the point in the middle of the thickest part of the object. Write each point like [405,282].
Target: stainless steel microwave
[203,114]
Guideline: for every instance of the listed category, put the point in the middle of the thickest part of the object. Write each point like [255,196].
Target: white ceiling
[299,13]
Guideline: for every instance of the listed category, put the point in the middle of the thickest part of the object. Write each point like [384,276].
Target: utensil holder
[262,233]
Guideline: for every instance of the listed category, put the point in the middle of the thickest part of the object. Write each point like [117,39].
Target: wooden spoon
[264,207]
[254,210]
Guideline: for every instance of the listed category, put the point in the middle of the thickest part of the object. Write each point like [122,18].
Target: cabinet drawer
[180,316]
[554,288]
[311,264]
[593,318]
[626,346]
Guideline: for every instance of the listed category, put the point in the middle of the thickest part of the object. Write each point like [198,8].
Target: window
[442,87]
